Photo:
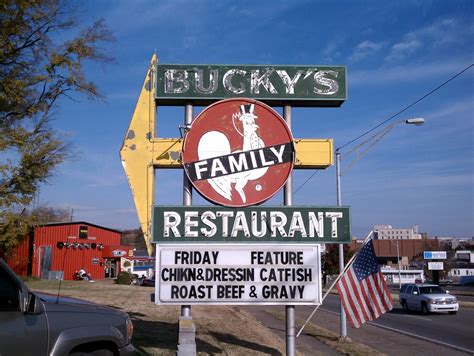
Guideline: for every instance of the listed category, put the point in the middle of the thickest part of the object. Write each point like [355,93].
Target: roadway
[453,330]
[394,333]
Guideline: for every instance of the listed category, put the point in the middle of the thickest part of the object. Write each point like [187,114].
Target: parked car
[148,282]
[445,282]
[42,324]
[428,298]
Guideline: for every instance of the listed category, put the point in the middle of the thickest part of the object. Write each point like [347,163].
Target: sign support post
[187,329]
[288,201]
[343,326]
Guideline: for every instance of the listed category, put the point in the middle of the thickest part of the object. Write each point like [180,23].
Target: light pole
[371,141]
[399,269]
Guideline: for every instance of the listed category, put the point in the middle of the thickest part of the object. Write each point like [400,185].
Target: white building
[387,232]
[459,272]
[394,276]
[464,265]
[464,256]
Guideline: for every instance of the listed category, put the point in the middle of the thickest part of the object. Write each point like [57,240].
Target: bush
[124,278]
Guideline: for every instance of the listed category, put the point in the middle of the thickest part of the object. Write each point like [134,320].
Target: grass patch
[219,329]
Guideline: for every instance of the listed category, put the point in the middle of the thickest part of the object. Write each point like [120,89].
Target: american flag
[362,288]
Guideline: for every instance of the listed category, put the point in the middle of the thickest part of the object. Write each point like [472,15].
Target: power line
[392,117]
[407,107]
[306,181]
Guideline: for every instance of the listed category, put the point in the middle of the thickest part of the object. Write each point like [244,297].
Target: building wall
[407,248]
[465,256]
[394,276]
[387,232]
[459,272]
[29,257]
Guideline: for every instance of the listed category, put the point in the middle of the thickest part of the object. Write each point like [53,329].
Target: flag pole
[334,283]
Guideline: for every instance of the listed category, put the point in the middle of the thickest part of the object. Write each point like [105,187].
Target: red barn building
[58,250]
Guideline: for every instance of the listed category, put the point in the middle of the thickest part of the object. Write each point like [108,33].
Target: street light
[371,141]
[399,268]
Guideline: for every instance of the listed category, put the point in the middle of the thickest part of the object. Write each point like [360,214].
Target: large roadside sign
[238,152]
[143,151]
[238,274]
[273,84]
[435,266]
[253,225]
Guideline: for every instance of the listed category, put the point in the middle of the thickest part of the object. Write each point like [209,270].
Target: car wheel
[405,306]
[424,309]
[452,312]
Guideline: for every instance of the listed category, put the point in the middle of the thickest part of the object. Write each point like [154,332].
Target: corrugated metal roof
[79,223]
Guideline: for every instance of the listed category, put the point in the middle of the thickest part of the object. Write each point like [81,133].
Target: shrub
[124,278]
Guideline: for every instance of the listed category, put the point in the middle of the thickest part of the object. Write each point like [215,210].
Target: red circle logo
[238,152]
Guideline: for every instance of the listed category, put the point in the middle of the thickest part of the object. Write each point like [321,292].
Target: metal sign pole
[187,329]
[343,326]
[288,201]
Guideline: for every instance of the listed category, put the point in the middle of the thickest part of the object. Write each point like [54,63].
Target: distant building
[394,276]
[57,251]
[454,242]
[387,232]
[459,272]
[463,266]
[464,256]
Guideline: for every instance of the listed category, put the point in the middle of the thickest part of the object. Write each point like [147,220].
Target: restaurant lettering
[203,84]
[255,224]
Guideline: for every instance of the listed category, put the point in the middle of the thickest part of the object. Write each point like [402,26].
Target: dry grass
[219,329]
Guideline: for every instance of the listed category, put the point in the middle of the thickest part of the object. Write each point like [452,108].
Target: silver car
[40,324]
[428,298]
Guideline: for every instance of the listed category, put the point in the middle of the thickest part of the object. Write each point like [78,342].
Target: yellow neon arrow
[137,154]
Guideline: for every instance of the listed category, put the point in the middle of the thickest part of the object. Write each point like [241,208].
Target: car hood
[54,303]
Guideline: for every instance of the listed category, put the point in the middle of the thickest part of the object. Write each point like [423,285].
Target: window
[409,289]
[431,290]
[9,293]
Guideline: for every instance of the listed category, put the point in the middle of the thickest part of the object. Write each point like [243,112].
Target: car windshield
[431,290]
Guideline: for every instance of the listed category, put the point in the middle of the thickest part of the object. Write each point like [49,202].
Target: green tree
[46,214]
[38,67]
[330,260]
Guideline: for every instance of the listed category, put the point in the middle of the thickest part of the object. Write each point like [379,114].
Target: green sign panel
[272,84]
[276,224]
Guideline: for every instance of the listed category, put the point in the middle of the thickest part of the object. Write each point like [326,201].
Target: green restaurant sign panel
[272,84]
[276,224]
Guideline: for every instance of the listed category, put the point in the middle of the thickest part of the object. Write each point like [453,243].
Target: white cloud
[396,74]
[465,106]
[331,51]
[364,49]
[440,33]
[403,49]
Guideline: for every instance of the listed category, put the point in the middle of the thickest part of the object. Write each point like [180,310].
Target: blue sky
[395,52]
